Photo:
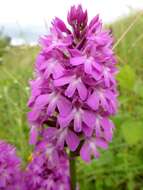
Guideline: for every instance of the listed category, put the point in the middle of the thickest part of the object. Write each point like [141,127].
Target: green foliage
[126,78]
[138,88]
[119,168]
[132,131]
[14,90]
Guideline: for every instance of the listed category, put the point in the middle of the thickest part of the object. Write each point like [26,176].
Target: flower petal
[82,90]
[77,60]
[70,90]
[41,101]
[101,143]
[89,118]
[33,115]
[108,127]
[93,101]
[33,135]
[64,106]
[97,66]
[72,140]
[65,121]
[93,148]
[50,132]
[51,108]
[85,152]
[63,80]
[88,67]
[58,71]
[77,122]
[87,130]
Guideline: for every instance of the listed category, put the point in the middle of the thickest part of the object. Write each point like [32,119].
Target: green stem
[72,171]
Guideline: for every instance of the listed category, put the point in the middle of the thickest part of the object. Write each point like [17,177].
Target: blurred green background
[119,168]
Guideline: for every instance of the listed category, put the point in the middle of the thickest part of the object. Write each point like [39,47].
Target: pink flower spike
[74,90]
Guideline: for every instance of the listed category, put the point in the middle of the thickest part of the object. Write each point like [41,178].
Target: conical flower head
[75,90]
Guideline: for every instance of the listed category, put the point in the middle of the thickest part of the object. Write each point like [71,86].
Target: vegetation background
[119,168]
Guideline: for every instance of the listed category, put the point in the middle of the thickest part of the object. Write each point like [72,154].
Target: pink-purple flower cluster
[48,169]
[10,173]
[74,91]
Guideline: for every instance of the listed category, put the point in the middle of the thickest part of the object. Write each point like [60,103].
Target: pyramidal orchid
[74,92]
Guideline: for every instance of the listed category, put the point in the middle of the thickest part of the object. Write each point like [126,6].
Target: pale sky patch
[24,20]
[36,11]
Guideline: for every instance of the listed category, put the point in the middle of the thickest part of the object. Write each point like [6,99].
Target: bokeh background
[21,24]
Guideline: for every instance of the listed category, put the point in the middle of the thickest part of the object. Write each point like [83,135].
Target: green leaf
[126,78]
[138,88]
[132,132]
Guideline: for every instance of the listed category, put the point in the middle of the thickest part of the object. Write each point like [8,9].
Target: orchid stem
[72,171]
